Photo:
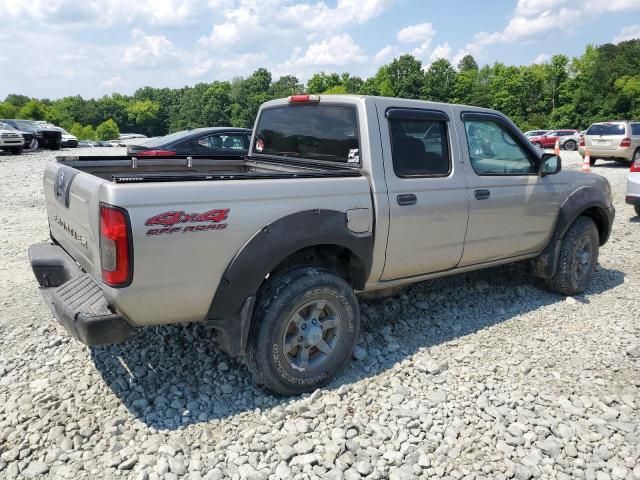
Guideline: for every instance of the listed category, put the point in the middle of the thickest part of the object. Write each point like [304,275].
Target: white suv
[612,141]
[11,140]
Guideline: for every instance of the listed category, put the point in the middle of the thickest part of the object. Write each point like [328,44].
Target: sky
[55,48]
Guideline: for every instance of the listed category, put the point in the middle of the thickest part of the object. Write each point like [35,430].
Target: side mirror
[550,164]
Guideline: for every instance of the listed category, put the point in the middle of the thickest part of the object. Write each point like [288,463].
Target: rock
[177,466]
[35,469]
[223,367]
[302,460]
[634,351]
[523,473]
[359,353]
[364,467]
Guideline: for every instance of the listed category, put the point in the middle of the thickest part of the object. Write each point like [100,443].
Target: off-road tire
[567,279]
[278,300]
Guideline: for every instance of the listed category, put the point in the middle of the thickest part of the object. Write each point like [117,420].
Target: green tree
[33,110]
[107,130]
[285,86]
[88,133]
[403,78]
[440,81]
[321,82]
[76,130]
[8,110]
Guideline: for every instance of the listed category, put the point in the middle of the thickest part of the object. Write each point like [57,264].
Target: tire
[34,144]
[16,150]
[570,145]
[636,156]
[592,161]
[291,307]
[56,146]
[578,258]
[537,144]
[637,209]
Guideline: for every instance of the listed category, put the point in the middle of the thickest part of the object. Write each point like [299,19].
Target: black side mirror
[550,164]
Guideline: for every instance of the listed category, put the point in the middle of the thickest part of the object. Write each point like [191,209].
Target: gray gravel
[484,375]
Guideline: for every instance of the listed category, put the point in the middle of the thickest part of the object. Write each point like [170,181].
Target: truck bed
[128,169]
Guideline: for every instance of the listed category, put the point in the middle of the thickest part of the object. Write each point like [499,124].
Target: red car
[549,139]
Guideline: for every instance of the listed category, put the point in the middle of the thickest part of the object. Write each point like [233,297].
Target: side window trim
[416,114]
[528,147]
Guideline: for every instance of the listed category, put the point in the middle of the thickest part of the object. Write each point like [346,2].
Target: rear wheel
[636,156]
[578,258]
[537,144]
[304,328]
[637,209]
[592,161]
[570,145]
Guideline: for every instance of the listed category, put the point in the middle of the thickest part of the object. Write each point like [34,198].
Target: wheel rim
[570,146]
[636,156]
[311,335]
[583,258]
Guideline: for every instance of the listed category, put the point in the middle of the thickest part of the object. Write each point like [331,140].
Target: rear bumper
[75,299]
[621,153]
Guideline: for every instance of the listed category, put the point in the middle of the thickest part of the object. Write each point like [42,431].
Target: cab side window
[493,150]
[419,147]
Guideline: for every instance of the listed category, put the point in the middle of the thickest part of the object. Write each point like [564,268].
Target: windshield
[317,132]
[606,129]
[6,126]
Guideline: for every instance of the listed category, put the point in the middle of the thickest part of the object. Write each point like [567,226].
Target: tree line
[601,84]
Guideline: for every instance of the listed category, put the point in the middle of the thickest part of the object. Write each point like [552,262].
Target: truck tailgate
[72,209]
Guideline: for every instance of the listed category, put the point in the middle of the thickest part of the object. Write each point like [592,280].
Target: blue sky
[53,48]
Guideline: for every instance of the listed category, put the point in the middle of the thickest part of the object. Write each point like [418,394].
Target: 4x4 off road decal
[170,221]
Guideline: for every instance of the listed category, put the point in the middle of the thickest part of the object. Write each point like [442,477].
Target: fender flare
[232,305]
[579,201]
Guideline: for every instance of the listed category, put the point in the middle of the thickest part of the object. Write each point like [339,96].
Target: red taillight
[154,153]
[625,143]
[115,246]
[304,98]
[635,166]
[581,143]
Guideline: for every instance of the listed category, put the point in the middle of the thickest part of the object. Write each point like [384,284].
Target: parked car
[548,140]
[86,144]
[220,141]
[68,140]
[11,141]
[339,193]
[633,186]
[535,133]
[29,138]
[129,136]
[619,140]
[46,137]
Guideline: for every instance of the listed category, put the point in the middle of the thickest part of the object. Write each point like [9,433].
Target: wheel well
[335,258]
[599,217]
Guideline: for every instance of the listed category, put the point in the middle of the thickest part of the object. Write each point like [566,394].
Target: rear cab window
[314,132]
[606,129]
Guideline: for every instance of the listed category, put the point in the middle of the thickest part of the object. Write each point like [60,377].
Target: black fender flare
[232,304]
[584,199]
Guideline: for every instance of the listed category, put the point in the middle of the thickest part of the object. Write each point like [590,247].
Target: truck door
[512,208]
[427,192]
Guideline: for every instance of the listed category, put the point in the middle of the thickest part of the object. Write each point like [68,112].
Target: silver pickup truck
[338,195]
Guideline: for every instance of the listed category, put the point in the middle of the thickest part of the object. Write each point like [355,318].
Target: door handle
[406,199]
[482,194]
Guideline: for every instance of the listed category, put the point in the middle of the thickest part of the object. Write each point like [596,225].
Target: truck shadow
[173,376]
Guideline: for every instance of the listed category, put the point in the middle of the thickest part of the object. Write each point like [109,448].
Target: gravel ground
[483,375]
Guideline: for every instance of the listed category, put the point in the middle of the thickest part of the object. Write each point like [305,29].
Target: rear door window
[224,141]
[606,129]
[635,129]
[315,132]
[419,148]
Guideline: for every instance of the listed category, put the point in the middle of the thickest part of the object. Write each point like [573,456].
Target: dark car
[46,137]
[212,141]
[29,138]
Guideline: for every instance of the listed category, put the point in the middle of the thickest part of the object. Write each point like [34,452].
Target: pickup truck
[338,196]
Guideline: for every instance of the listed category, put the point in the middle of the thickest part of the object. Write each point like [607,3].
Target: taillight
[625,143]
[304,98]
[635,166]
[154,153]
[116,253]
[581,143]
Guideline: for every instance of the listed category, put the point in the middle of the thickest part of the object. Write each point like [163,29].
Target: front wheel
[570,145]
[304,328]
[16,150]
[578,258]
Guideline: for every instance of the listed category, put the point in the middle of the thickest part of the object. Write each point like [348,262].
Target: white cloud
[627,33]
[542,58]
[440,51]
[385,54]
[337,51]
[112,84]
[421,32]
[150,50]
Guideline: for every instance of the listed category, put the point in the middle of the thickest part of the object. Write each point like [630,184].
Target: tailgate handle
[407,199]
[482,194]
